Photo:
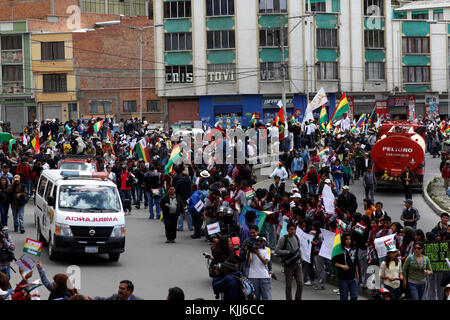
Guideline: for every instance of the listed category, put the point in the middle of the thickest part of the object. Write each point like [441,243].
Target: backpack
[246,288]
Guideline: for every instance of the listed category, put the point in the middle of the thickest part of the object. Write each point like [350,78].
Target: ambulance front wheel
[114,257]
[51,249]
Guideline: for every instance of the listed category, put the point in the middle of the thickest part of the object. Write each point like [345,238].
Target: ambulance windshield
[89,199]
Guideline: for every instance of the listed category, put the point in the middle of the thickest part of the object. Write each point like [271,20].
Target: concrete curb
[438,210]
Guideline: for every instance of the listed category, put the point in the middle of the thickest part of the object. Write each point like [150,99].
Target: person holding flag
[345,259]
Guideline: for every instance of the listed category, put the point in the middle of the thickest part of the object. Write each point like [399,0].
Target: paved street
[155,266]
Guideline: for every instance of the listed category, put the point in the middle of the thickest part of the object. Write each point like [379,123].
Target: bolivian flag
[294,178]
[341,109]
[361,120]
[447,130]
[253,119]
[35,144]
[174,156]
[97,126]
[142,150]
[337,247]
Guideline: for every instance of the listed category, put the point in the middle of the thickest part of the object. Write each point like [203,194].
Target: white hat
[327,181]
[346,187]
[294,189]
[204,174]
[296,195]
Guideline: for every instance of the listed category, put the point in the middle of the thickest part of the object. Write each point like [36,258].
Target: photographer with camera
[226,281]
[288,249]
[7,248]
[258,273]
[18,195]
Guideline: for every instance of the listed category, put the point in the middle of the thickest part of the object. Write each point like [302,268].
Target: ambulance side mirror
[51,201]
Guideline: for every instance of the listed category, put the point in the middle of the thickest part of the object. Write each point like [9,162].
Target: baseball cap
[327,181]
[346,187]
[296,195]
[16,177]
[408,201]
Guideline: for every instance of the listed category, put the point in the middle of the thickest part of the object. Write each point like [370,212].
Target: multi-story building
[83,57]
[17,104]
[223,58]
[54,77]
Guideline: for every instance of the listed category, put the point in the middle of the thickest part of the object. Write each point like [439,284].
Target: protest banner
[33,247]
[438,252]
[305,244]
[327,245]
[381,247]
[260,217]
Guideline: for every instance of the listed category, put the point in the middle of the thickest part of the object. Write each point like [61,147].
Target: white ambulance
[79,212]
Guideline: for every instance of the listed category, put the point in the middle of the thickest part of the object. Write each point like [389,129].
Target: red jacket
[24,170]
[445,173]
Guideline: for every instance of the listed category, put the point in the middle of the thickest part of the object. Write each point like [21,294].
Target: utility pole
[283,68]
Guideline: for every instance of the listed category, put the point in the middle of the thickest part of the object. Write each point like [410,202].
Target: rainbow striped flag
[322,152]
[174,156]
[361,120]
[97,126]
[294,177]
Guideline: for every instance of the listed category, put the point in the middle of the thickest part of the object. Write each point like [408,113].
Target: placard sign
[33,247]
[437,252]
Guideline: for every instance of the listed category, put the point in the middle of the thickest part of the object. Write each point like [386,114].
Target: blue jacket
[337,168]
[297,164]
[305,156]
[193,200]
[229,285]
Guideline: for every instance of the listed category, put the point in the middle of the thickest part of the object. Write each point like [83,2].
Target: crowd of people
[311,190]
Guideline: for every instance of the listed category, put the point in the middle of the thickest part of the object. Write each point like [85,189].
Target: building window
[327,71]
[374,7]
[52,50]
[271,71]
[179,74]
[219,8]
[221,72]
[11,43]
[181,41]
[316,6]
[94,6]
[12,73]
[416,74]
[153,106]
[416,45]
[375,71]
[420,16]
[129,106]
[55,82]
[326,38]
[223,39]
[177,9]
[438,16]
[100,107]
[271,37]
[272,6]
[374,39]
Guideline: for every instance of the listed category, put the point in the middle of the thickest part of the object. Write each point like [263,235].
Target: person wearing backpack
[258,273]
[18,195]
[415,269]
[288,249]
[226,281]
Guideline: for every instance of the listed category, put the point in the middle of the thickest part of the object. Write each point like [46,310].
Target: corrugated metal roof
[430,4]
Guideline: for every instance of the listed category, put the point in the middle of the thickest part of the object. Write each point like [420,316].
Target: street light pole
[141,42]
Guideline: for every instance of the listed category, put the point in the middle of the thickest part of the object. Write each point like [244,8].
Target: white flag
[199,206]
[381,247]
[319,100]
[280,104]
[213,228]
[308,114]
[305,244]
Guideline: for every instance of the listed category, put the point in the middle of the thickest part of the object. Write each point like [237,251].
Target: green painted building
[17,94]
